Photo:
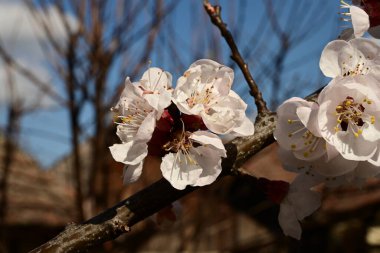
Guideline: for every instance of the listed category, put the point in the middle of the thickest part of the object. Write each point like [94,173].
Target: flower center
[310,141]
[351,115]
[132,116]
[359,68]
[180,142]
[202,96]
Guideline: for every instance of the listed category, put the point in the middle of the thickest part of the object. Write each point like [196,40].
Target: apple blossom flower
[348,118]
[297,129]
[193,159]
[354,58]
[136,123]
[205,90]
[155,87]
[302,200]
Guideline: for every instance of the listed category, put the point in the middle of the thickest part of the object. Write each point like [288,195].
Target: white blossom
[136,123]
[297,129]
[301,144]
[194,159]
[205,90]
[348,118]
[156,87]
[354,58]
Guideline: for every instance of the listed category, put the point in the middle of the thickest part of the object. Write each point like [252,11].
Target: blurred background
[63,66]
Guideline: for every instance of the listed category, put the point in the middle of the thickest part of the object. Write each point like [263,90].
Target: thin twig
[215,15]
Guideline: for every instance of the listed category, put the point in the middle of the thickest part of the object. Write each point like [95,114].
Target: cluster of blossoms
[335,139]
[182,125]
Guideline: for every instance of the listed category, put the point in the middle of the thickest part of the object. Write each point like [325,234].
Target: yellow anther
[372,119]
[290,121]
[290,135]
[306,154]
[293,146]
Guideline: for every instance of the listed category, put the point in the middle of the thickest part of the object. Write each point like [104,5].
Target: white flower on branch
[354,58]
[348,118]
[136,122]
[205,90]
[156,87]
[193,159]
[297,129]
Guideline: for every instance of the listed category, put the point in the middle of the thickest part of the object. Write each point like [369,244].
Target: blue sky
[45,133]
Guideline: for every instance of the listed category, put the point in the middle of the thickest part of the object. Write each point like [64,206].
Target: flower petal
[288,221]
[179,177]
[207,138]
[360,20]
[132,173]
[130,153]
[330,62]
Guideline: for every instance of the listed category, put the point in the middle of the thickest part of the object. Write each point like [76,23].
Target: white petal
[156,79]
[335,167]
[360,21]
[288,221]
[210,162]
[130,153]
[305,203]
[330,62]
[132,173]
[146,129]
[367,47]
[178,172]
[245,129]
[309,117]
[226,115]
[354,148]
[207,138]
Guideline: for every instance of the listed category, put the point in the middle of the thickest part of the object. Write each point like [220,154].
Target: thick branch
[215,15]
[117,220]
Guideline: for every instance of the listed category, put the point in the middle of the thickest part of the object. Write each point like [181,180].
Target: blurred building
[37,203]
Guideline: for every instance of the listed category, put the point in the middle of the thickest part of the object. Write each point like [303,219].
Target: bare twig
[215,15]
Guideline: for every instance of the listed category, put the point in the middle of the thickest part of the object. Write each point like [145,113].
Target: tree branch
[215,15]
[118,219]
